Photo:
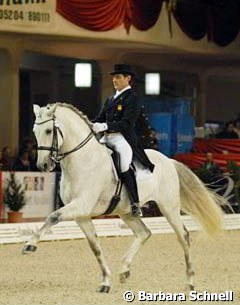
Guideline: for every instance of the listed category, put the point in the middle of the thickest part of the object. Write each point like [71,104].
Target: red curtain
[104,15]
[216,145]
[194,160]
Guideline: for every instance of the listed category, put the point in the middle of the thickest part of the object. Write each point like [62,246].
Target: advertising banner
[39,192]
[27,12]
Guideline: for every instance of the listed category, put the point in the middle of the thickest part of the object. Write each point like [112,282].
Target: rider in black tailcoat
[121,115]
[117,119]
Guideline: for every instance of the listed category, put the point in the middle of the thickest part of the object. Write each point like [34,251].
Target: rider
[117,119]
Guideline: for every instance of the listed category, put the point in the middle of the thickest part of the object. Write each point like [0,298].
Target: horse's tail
[198,201]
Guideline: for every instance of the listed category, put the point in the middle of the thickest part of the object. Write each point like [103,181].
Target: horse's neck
[90,163]
[91,157]
[74,127]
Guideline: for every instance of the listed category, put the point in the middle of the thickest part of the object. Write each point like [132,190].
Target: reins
[55,155]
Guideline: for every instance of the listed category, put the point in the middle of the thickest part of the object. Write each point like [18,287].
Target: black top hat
[122,69]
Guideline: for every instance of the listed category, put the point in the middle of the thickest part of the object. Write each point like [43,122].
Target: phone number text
[24,16]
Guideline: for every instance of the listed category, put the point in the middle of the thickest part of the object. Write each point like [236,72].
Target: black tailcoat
[121,115]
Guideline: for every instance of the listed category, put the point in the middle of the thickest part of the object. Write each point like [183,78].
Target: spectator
[32,155]
[211,165]
[209,172]
[6,159]
[29,145]
[22,163]
[228,132]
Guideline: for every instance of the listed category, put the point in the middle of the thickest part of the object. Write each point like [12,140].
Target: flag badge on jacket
[119,107]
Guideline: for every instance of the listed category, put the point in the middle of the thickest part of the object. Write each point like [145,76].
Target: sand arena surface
[66,272]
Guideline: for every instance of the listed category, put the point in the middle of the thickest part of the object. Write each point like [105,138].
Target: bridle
[55,155]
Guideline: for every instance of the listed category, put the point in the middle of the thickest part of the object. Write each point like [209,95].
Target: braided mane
[78,112]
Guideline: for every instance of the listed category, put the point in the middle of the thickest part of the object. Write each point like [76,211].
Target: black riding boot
[129,180]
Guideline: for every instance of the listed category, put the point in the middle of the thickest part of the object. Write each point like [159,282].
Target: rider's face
[120,81]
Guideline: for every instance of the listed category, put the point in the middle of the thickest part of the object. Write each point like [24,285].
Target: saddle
[141,172]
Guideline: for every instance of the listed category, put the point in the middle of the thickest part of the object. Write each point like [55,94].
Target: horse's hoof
[29,249]
[103,288]
[123,276]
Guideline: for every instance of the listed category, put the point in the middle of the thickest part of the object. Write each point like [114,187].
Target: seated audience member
[209,171]
[6,159]
[33,160]
[30,146]
[210,164]
[228,132]
[22,162]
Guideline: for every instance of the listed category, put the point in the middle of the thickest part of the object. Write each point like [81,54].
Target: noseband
[55,155]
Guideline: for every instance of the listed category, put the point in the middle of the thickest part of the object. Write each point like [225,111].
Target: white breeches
[118,143]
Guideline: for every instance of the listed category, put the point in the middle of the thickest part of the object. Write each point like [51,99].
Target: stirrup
[136,210]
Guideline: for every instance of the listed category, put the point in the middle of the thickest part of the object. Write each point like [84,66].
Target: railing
[21,232]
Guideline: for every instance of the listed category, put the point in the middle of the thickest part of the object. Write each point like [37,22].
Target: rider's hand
[99,127]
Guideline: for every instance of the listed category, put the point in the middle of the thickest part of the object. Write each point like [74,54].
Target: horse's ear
[36,109]
[51,109]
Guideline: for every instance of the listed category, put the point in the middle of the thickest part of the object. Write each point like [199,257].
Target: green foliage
[203,174]
[14,195]
[207,174]
[234,170]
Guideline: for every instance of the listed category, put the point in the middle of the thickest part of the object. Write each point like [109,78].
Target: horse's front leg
[52,219]
[69,212]
[88,229]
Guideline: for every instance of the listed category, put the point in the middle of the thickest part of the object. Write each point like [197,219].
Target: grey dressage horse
[88,182]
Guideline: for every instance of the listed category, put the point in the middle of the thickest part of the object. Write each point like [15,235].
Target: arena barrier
[67,230]
[40,193]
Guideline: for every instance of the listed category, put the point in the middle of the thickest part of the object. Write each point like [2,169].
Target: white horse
[88,182]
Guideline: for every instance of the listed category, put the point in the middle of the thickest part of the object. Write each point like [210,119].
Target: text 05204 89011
[33,16]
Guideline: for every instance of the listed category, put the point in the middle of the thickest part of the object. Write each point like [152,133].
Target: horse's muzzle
[46,166]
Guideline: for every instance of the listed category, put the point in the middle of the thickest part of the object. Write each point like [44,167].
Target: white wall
[8,101]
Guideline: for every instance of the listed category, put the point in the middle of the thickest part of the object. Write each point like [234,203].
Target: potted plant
[14,198]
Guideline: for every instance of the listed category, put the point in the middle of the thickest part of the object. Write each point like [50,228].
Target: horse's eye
[48,131]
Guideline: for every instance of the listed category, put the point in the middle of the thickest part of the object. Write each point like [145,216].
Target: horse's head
[48,134]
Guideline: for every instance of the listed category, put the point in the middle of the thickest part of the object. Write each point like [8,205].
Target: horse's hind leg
[88,229]
[142,233]
[182,233]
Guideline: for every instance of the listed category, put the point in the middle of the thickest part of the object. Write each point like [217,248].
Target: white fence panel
[17,233]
